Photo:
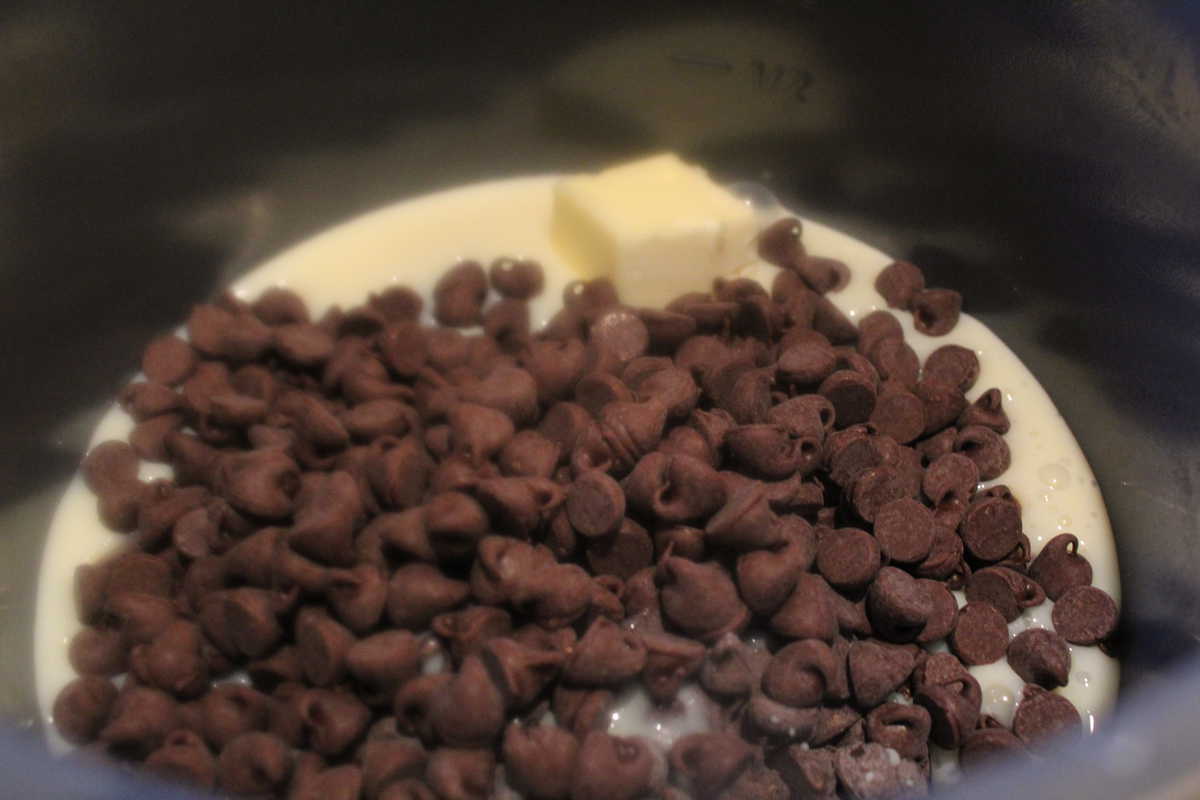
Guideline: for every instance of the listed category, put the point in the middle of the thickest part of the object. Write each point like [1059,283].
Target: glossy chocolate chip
[899,283]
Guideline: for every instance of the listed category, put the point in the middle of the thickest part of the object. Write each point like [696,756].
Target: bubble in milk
[1055,476]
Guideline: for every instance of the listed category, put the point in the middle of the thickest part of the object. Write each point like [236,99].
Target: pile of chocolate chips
[397,561]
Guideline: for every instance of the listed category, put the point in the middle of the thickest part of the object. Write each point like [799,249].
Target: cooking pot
[1044,160]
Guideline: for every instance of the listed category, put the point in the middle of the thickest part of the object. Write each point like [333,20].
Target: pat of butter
[656,228]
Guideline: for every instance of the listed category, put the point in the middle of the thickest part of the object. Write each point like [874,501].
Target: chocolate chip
[851,394]
[1006,589]
[806,364]
[943,405]
[184,757]
[1041,714]
[529,454]
[832,323]
[612,768]
[936,311]
[876,670]
[469,710]
[1084,615]
[98,651]
[1059,567]
[581,710]
[333,720]
[877,487]
[991,528]
[897,605]
[741,389]
[539,760]
[605,655]
[254,764]
[143,400]
[412,704]
[900,415]
[595,504]
[386,760]
[279,306]
[987,411]
[905,530]
[983,746]
[780,243]
[808,613]
[953,709]
[944,614]
[709,762]
[800,673]
[516,278]
[168,360]
[985,447]
[173,660]
[808,772]
[138,722]
[868,771]
[899,283]
[902,727]
[622,554]
[407,789]
[468,630]
[952,475]
[700,599]
[230,710]
[459,294]
[419,592]
[1040,656]
[981,634]
[847,558]
[81,708]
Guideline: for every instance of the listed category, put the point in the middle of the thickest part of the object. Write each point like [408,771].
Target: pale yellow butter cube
[656,228]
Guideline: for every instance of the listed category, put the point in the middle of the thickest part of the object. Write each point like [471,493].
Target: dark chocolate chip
[459,294]
[898,606]
[981,634]
[81,708]
[1059,567]
[516,278]
[1041,714]
[851,394]
[868,771]
[899,283]
[799,674]
[1084,615]
[809,612]
[905,530]
[902,727]
[847,558]
[700,599]
[612,768]
[1040,656]
[876,670]
[780,243]
[936,311]
[539,760]
[986,448]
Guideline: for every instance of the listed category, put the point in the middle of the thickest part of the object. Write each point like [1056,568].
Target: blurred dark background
[1042,158]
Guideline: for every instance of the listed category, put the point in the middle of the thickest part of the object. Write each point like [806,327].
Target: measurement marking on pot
[775,77]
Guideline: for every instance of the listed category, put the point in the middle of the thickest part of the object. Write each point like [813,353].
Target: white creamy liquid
[414,241]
